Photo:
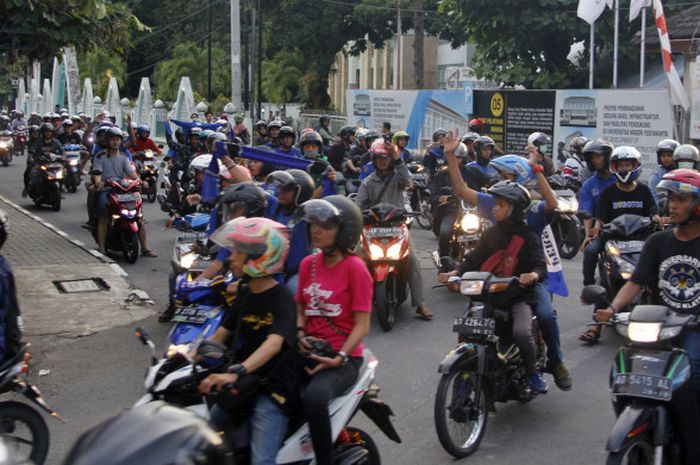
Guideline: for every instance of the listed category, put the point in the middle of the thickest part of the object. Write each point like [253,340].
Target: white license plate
[128,197]
[383,232]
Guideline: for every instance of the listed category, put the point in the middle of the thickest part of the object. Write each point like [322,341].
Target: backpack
[505,261]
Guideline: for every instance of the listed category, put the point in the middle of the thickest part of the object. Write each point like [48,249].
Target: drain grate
[75,286]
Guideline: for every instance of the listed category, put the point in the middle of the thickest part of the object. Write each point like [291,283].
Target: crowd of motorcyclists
[292,239]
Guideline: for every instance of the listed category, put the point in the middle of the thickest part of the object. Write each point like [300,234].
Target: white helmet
[201,163]
[624,153]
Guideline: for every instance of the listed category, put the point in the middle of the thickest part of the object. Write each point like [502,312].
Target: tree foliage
[283,78]
[39,29]
[101,66]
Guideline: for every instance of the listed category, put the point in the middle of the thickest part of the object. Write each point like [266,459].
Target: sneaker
[538,384]
[167,314]
[562,377]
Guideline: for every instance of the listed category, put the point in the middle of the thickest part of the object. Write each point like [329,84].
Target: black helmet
[178,132]
[286,131]
[686,156]
[155,433]
[577,143]
[479,143]
[324,118]
[275,124]
[597,146]
[47,127]
[514,193]
[540,140]
[243,195]
[260,124]
[340,210]
[3,228]
[470,137]
[347,131]
[311,137]
[665,145]
[437,133]
[33,128]
[298,180]
[370,136]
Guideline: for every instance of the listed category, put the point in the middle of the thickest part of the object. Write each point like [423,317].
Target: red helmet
[379,149]
[475,125]
[682,181]
[223,116]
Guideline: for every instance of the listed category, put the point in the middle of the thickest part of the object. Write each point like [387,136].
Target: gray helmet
[686,156]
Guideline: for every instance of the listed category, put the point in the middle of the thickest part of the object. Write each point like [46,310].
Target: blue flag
[211,185]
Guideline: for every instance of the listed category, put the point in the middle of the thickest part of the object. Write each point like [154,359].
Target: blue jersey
[590,192]
[654,181]
[488,170]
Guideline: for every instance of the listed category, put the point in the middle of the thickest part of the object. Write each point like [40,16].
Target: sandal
[424,312]
[149,253]
[590,337]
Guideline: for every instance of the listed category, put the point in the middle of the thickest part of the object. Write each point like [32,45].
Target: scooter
[566,227]
[420,196]
[72,161]
[23,429]
[20,140]
[148,172]
[49,189]
[176,380]
[385,244]
[6,147]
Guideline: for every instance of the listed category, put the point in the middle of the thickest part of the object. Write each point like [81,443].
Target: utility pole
[397,67]
[209,53]
[418,31]
[236,54]
[253,56]
[616,40]
[259,57]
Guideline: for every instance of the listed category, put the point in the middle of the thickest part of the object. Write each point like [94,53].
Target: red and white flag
[678,95]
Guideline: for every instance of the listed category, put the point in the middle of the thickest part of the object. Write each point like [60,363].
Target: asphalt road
[94,377]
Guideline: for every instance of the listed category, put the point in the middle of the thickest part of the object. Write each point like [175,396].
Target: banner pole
[642,46]
[616,40]
[591,58]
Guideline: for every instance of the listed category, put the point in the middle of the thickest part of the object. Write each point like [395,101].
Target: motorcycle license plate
[54,166]
[630,246]
[467,238]
[638,385]
[191,236]
[474,326]
[383,232]
[193,315]
[128,197]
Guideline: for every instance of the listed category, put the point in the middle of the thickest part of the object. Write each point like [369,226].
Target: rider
[68,136]
[468,140]
[113,165]
[286,138]
[142,141]
[4,122]
[10,319]
[259,328]
[324,130]
[400,139]
[475,125]
[34,119]
[626,196]
[484,147]
[46,144]
[434,153]
[670,260]
[260,133]
[241,130]
[387,185]
[273,129]
[340,151]
[664,157]
[19,121]
[686,156]
[311,146]
[542,142]
[575,166]
[334,301]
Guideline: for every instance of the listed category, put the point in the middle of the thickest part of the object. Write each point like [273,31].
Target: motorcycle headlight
[73,162]
[375,252]
[643,332]
[471,287]
[626,268]
[567,205]
[612,249]
[3,145]
[670,332]
[394,251]
[187,260]
[470,223]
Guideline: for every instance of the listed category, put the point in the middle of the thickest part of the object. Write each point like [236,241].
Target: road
[94,377]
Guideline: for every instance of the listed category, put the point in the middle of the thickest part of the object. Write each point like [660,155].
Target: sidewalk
[41,255]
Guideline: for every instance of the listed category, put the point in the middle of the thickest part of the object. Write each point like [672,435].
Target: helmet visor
[320,212]
[668,185]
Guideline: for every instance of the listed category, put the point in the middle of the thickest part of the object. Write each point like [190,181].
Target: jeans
[447,223]
[547,319]
[319,392]
[522,335]
[101,203]
[691,344]
[590,258]
[264,431]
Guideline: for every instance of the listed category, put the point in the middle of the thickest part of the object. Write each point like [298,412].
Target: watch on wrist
[238,369]
[344,357]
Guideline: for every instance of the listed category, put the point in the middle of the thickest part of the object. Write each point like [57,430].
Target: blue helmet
[205,133]
[514,164]
[143,128]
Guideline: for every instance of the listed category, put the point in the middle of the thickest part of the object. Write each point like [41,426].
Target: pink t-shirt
[341,290]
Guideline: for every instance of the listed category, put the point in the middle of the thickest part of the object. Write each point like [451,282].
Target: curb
[95,253]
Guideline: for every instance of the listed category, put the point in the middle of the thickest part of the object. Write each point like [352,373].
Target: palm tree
[284,78]
[100,67]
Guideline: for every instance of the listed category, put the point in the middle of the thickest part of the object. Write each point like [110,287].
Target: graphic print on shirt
[315,294]
[679,282]
[622,204]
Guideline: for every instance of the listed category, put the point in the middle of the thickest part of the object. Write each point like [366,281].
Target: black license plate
[193,315]
[54,166]
[187,236]
[128,197]
[642,385]
[474,326]
[467,238]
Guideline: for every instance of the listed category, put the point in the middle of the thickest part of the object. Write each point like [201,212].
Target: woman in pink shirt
[334,301]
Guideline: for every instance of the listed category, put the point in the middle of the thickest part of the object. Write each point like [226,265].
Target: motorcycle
[124,205]
[20,140]
[176,380]
[72,162]
[52,173]
[172,184]
[566,227]
[654,396]
[485,367]
[148,172]
[385,244]
[420,196]
[624,239]
[6,147]
[21,426]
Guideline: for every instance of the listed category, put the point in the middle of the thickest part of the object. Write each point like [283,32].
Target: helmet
[143,128]
[47,127]
[665,145]
[55,116]
[400,135]
[347,131]
[214,136]
[378,149]
[114,132]
[67,122]
[203,134]
[475,125]
[4,118]
[46,116]
[339,210]
[20,113]
[437,133]
[311,137]
[514,193]
[202,162]
[597,146]
[33,128]
[275,124]
[361,133]
[243,195]
[577,143]
[370,136]
[514,164]
[238,118]
[470,137]
[324,118]
[686,156]
[626,152]
[178,132]
[195,131]
[260,124]
[102,128]
[479,143]
[265,241]
[540,140]
[286,131]
[76,118]
[298,180]
[682,181]
[3,228]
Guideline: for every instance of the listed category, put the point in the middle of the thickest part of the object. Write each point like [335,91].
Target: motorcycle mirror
[595,295]
[211,349]
[160,146]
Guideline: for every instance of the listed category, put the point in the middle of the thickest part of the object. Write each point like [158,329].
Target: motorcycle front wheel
[638,453]
[55,198]
[568,238]
[152,191]
[386,313]
[130,246]
[72,183]
[24,432]
[460,424]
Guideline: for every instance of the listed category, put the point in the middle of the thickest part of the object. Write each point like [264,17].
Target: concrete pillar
[386,63]
[337,81]
[376,59]
[344,82]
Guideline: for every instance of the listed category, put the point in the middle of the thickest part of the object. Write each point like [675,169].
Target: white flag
[636,6]
[590,10]
[610,3]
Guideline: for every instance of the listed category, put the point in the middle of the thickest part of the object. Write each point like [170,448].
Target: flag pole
[616,40]
[642,46]
[591,58]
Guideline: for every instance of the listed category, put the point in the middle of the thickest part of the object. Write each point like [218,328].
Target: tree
[190,60]
[101,67]
[284,77]
[39,29]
